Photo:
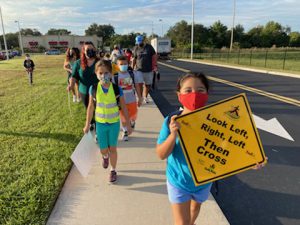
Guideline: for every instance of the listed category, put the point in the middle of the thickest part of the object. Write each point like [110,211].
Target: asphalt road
[270,196]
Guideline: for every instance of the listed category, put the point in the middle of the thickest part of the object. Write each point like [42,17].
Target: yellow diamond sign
[220,140]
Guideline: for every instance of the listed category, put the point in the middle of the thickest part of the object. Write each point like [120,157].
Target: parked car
[52,52]
[10,55]
[2,56]
[16,53]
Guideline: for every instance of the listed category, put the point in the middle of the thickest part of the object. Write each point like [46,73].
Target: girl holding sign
[185,197]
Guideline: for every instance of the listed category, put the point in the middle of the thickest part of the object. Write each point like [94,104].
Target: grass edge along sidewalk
[139,197]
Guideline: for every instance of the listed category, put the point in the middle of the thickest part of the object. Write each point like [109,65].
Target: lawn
[37,137]
[271,60]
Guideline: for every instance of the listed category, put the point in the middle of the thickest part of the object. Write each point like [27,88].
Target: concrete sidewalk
[140,195]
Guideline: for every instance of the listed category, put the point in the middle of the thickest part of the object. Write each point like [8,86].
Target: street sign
[220,140]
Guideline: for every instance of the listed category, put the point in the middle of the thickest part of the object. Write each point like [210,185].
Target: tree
[104,31]
[294,39]
[254,36]
[180,33]
[218,35]
[54,31]
[274,33]
[29,31]
[12,40]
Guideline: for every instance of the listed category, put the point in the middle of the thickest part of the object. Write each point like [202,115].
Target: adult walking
[72,55]
[143,57]
[84,72]
[29,67]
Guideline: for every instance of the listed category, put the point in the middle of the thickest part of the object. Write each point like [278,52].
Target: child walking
[105,96]
[72,55]
[29,67]
[185,197]
[127,80]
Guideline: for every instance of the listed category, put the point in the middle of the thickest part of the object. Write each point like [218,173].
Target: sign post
[220,140]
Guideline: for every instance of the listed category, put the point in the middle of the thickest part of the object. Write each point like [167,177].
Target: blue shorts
[177,195]
[107,134]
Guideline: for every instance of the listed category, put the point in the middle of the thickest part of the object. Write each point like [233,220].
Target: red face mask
[193,100]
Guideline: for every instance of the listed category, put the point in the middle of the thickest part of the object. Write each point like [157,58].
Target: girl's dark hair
[103,63]
[199,76]
[76,54]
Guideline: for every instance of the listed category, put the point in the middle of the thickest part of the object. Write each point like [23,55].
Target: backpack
[116,77]
[116,91]
[177,113]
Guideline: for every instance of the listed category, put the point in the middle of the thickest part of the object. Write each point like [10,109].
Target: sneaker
[105,162]
[92,127]
[78,99]
[113,176]
[125,136]
[132,124]
[74,98]
[146,101]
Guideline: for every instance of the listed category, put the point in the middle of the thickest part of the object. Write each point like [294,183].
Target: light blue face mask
[123,68]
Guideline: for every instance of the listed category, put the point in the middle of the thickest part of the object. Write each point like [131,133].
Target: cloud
[143,15]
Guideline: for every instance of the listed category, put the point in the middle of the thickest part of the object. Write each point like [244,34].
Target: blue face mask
[123,68]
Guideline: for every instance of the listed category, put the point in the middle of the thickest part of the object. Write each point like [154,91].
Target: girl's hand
[86,129]
[258,166]
[174,126]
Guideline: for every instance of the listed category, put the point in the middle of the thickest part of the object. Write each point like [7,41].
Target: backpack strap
[176,113]
[117,93]
[131,73]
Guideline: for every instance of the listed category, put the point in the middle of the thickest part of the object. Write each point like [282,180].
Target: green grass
[256,59]
[37,137]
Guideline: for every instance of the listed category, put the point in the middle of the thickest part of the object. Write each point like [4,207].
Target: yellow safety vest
[107,110]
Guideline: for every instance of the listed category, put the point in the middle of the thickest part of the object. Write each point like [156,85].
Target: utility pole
[233,18]
[7,56]
[192,31]
[20,37]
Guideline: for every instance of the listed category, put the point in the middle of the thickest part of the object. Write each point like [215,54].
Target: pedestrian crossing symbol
[220,140]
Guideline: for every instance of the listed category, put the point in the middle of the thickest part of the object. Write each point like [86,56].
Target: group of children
[115,98]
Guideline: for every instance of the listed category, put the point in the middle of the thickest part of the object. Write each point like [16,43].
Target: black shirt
[143,56]
[29,64]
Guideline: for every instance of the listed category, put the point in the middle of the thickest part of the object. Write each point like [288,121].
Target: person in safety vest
[105,98]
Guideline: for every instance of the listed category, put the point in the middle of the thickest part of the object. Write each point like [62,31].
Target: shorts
[107,134]
[147,77]
[132,111]
[177,195]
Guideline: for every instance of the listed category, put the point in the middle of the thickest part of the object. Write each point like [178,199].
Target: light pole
[20,37]
[162,27]
[233,18]
[4,39]
[192,31]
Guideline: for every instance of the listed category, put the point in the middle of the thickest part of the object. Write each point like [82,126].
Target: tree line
[272,34]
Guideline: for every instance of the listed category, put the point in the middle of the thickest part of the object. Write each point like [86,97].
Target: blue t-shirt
[178,173]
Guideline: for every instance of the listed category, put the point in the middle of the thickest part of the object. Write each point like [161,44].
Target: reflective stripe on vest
[108,106]
[107,110]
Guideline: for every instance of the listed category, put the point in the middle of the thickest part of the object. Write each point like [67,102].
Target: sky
[143,16]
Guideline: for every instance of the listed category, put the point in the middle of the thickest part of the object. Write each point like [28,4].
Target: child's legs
[76,92]
[194,210]
[132,111]
[102,137]
[181,213]
[113,134]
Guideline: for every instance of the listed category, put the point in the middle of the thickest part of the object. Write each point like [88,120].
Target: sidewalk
[140,195]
